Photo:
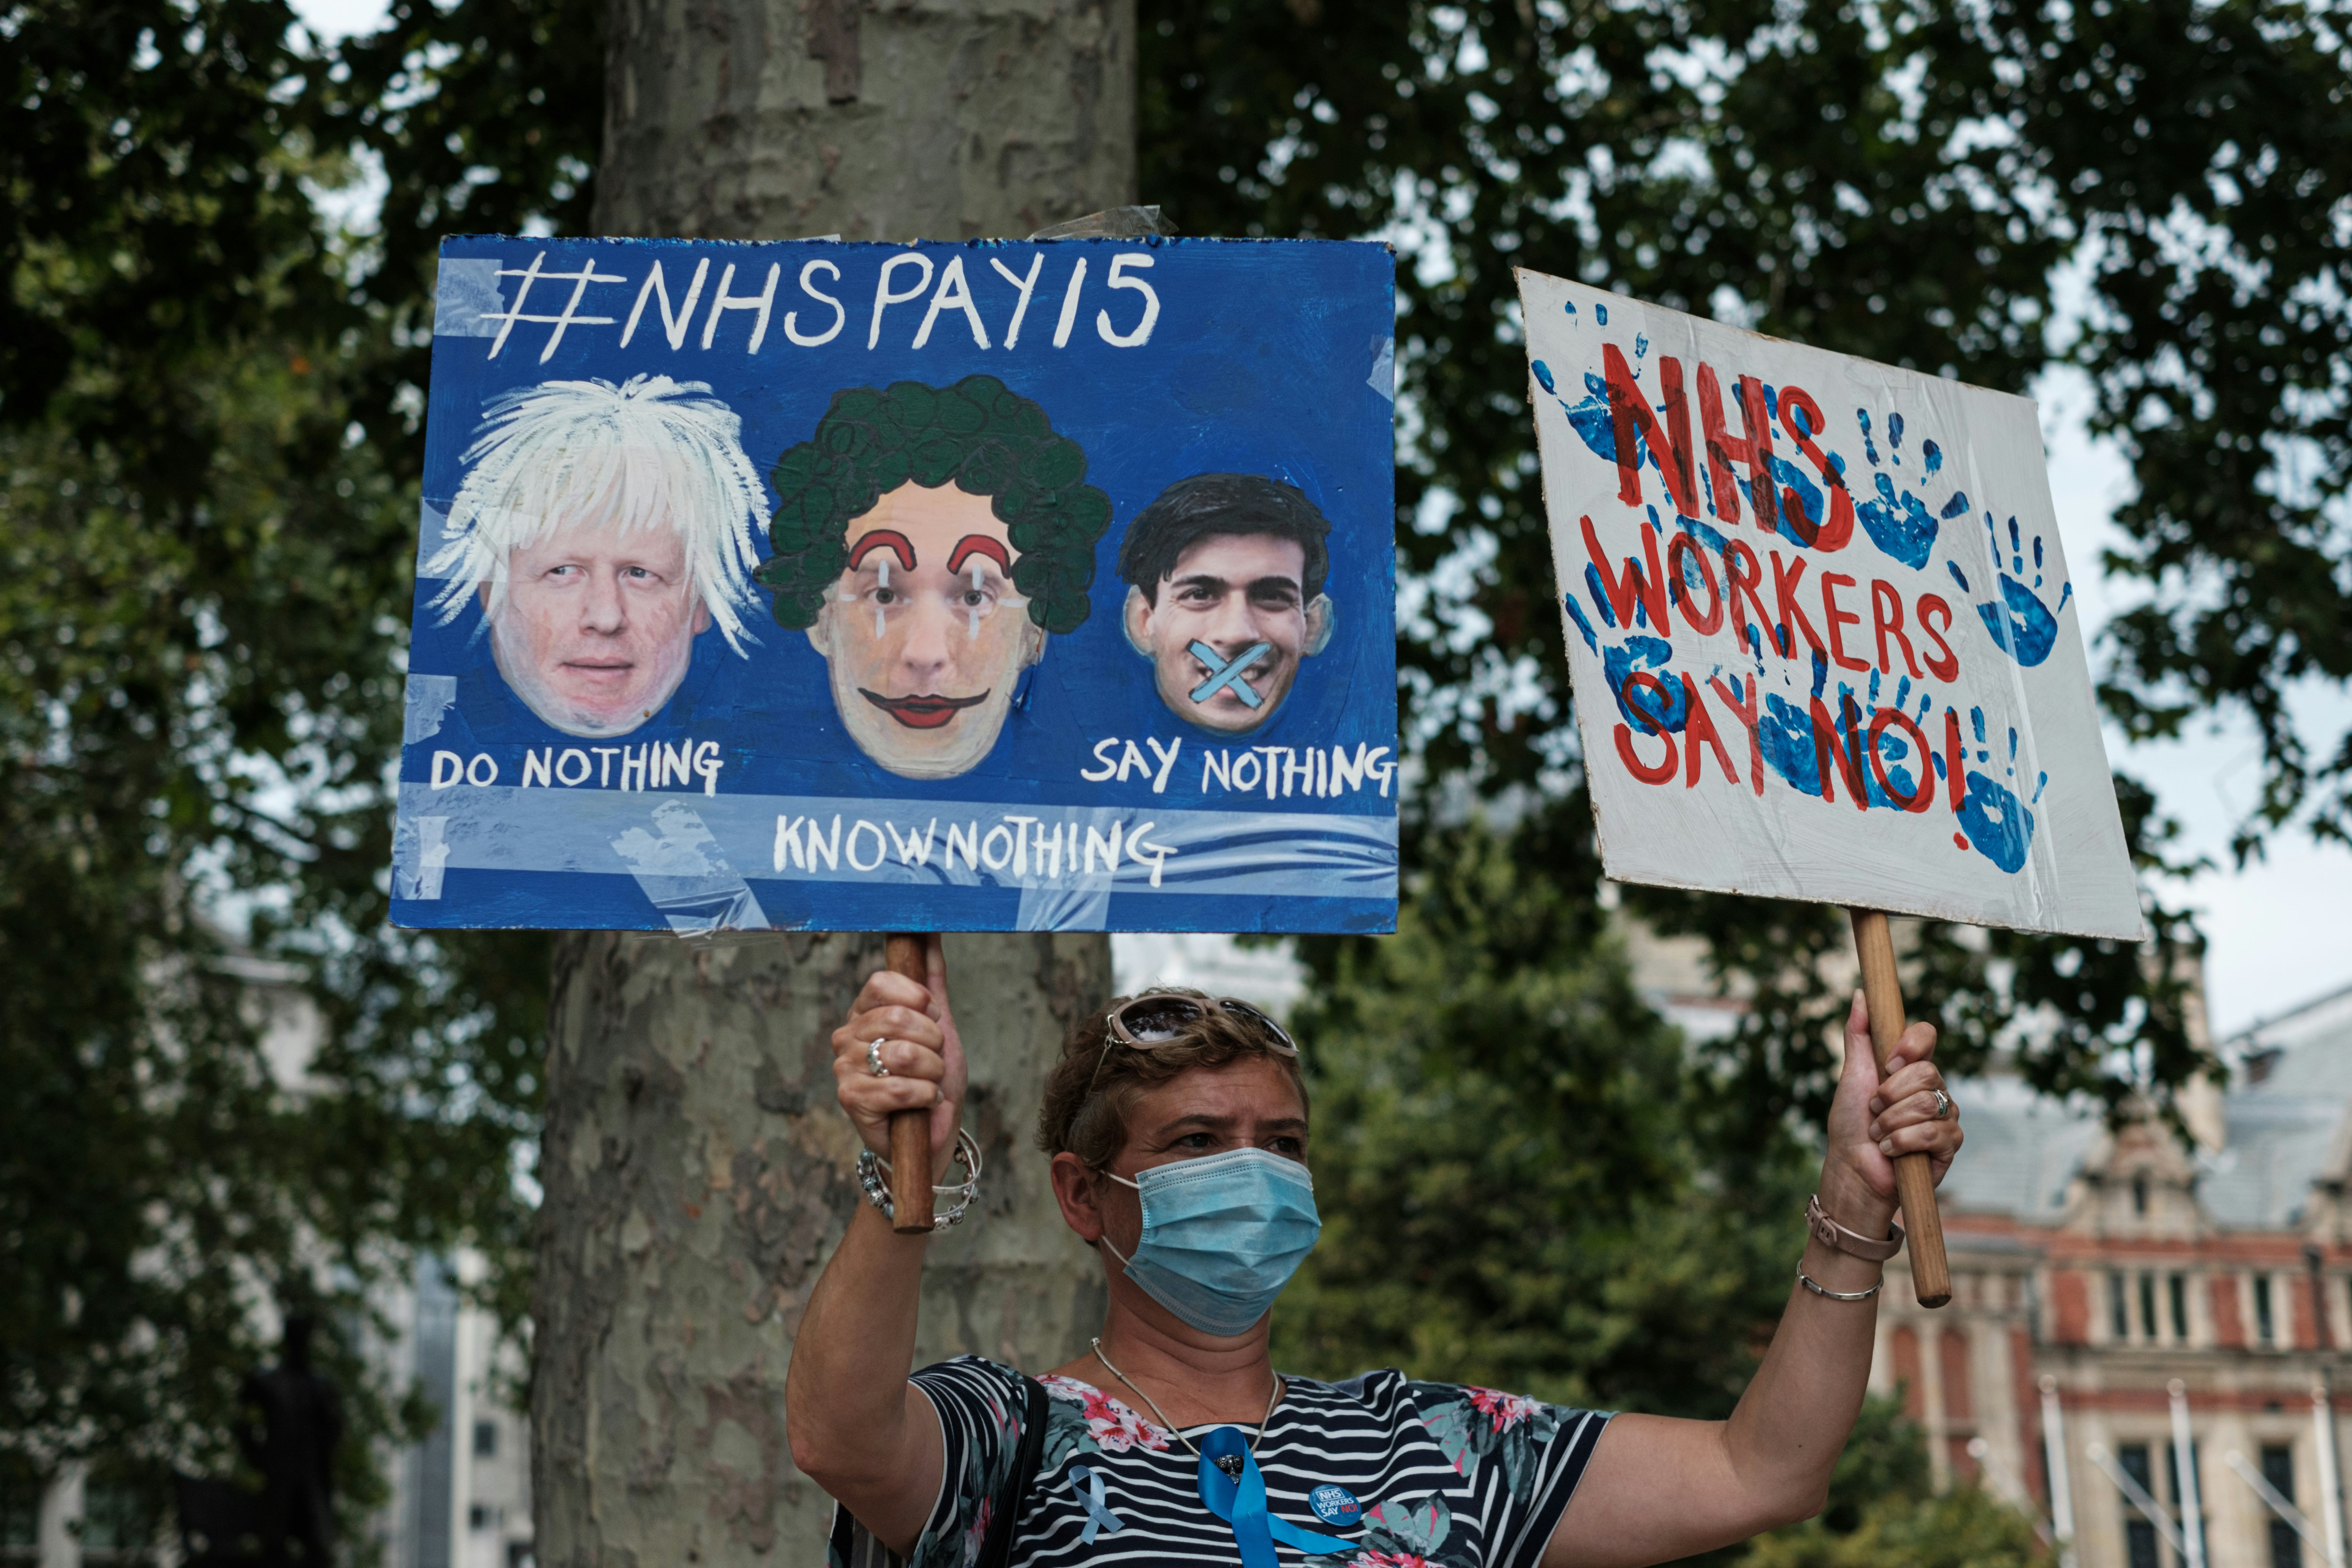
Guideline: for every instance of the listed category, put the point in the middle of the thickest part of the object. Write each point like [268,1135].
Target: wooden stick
[910,1130]
[1914,1182]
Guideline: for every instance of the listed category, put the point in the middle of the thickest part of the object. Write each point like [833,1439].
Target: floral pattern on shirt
[1111,1427]
[1406,1534]
[977,1536]
[1506,1408]
[1474,1426]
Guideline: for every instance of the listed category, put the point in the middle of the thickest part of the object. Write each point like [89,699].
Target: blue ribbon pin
[1242,1504]
[1099,1518]
[1222,674]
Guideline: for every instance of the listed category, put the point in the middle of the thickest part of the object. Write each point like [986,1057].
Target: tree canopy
[1918,183]
[208,569]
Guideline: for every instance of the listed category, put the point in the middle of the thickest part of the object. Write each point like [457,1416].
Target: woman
[1177,1127]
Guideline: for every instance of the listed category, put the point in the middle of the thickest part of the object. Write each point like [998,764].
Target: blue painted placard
[987,586]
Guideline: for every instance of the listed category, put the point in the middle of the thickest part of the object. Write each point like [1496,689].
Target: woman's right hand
[921,1048]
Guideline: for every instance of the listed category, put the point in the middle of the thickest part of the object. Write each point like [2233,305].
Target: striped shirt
[1439,1475]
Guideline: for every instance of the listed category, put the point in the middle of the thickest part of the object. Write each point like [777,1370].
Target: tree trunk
[696,1172]
[912,119]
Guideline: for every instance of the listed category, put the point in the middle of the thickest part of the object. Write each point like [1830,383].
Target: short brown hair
[1208,505]
[1096,1084]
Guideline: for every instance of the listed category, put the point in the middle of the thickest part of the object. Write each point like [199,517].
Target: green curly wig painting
[978,435]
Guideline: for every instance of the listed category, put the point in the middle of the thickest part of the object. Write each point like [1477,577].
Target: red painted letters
[1626,589]
[1630,410]
[1948,667]
[1784,595]
[1830,582]
[1679,585]
[1886,621]
[1746,711]
[1923,795]
[1634,764]
[1697,727]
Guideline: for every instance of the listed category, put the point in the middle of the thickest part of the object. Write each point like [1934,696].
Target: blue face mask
[1222,1236]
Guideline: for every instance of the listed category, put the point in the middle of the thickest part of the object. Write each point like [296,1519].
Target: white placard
[1859,681]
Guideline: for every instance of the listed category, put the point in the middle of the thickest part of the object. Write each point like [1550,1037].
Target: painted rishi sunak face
[1228,629]
[924,635]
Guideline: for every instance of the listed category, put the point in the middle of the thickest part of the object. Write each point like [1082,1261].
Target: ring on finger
[1943,1105]
[874,1058]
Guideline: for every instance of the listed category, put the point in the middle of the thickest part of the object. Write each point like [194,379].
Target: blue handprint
[1900,523]
[1620,662]
[1994,822]
[2021,626]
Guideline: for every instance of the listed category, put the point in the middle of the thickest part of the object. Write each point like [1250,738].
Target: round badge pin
[1336,1505]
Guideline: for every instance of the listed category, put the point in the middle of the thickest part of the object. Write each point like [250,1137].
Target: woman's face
[1249,1103]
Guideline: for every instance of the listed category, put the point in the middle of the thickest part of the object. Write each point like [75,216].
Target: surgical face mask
[1222,1236]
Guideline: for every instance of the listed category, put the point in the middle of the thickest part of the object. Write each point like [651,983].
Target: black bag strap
[997,1549]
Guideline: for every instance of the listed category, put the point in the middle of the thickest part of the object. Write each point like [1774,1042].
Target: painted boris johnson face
[925,635]
[601,529]
[928,539]
[1225,596]
[598,626]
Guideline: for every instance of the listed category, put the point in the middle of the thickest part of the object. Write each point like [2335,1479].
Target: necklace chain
[1250,1444]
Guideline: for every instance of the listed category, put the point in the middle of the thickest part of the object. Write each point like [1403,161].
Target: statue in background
[292,1444]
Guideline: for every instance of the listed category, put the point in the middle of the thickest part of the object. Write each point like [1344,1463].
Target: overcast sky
[2280,930]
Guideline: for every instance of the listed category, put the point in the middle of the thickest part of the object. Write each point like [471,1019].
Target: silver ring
[874,1058]
[1943,1105]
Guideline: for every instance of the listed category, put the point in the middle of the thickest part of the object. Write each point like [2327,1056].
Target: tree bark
[911,119]
[697,1173]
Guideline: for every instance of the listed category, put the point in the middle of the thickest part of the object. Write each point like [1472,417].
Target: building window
[2265,1326]
[2278,1469]
[2118,1308]
[1905,1346]
[2147,1306]
[2179,1286]
[2178,1499]
[2139,1535]
[485,1440]
[1952,1346]
[2139,1194]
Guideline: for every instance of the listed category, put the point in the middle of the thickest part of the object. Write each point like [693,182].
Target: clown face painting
[926,634]
[912,531]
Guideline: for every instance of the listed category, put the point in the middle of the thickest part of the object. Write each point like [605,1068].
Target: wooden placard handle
[910,1130]
[1914,1182]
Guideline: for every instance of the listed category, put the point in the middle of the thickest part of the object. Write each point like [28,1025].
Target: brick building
[2112,1290]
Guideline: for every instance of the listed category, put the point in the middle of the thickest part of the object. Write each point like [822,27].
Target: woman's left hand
[1875,1118]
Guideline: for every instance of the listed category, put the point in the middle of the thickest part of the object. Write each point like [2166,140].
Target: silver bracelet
[872,1168]
[1831,1234]
[1808,1282]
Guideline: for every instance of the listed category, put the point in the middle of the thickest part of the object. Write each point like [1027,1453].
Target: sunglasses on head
[1158,1016]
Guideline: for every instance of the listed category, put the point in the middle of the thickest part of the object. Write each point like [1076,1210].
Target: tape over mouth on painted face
[1232,674]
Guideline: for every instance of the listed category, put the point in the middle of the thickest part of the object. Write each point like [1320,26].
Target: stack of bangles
[1831,1234]
[872,1167]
